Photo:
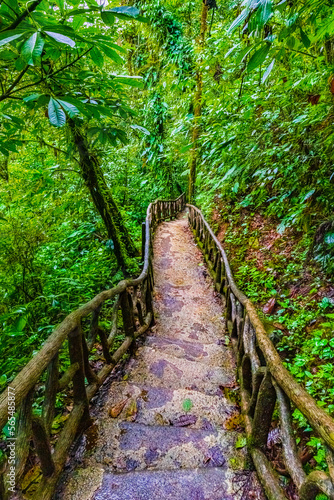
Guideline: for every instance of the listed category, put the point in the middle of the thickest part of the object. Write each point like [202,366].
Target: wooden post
[263,412]
[89,372]
[76,356]
[143,240]
[149,296]
[127,314]
[42,446]
[23,434]
[94,324]
[51,389]
[219,271]
[105,347]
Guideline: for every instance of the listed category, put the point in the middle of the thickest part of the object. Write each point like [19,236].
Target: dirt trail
[172,439]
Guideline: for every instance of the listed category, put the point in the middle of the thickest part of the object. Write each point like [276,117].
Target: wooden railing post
[93,329]
[42,446]
[127,314]
[105,347]
[265,405]
[24,432]
[76,356]
[51,388]
[143,240]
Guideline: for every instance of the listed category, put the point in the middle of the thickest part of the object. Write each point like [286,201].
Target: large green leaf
[264,12]
[108,17]
[57,115]
[97,57]
[9,36]
[305,39]
[239,20]
[111,53]
[70,109]
[258,57]
[268,71]
[61,38]
[32,48]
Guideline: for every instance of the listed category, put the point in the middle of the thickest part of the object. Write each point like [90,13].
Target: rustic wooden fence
[75,338]
[265,384]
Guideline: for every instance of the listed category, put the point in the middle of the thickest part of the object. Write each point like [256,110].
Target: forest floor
[169,424]
[275,269]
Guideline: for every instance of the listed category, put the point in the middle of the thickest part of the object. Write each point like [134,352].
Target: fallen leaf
[117,408]
[270,305]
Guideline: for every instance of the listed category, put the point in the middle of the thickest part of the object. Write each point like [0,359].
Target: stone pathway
[176,435]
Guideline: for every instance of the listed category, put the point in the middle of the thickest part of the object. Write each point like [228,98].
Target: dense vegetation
[105,108]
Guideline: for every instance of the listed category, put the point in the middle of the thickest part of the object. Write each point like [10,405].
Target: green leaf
[70,109]
[108,17]
[132,81]
[241,442]
[305,39]
[96,57]
[111,53]
[264,12]
[141,129]
[187,404]
[57,115]
[125,12]
[232,49]
[308,195]
[258,57]
[61,38]
[4,38]
[240,19]
[31,97]
[32,48]
[268,71]
[19,324]
[244,52]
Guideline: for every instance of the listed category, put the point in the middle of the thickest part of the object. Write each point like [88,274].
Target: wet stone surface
[172,438]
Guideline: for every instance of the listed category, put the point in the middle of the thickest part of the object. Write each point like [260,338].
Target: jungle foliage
[107,107]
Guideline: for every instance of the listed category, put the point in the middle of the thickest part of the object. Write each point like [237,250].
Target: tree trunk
[197,105]
[93,176]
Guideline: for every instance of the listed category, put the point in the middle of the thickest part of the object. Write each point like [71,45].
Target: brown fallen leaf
[117,408]
[270,305]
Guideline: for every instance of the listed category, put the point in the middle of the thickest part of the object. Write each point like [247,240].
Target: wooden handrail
[264,380]
[137,317]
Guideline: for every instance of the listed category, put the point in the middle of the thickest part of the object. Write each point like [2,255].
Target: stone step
[214,354]
[127,446]
[156,368]
[181,327]
[158,405]
[197,484]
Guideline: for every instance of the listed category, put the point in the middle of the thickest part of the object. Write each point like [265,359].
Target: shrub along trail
[167,430]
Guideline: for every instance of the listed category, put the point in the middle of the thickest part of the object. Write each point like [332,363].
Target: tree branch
[6,95]
[24,14]
[39,139]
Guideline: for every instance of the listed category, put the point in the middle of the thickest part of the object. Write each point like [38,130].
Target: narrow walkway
[166,430]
